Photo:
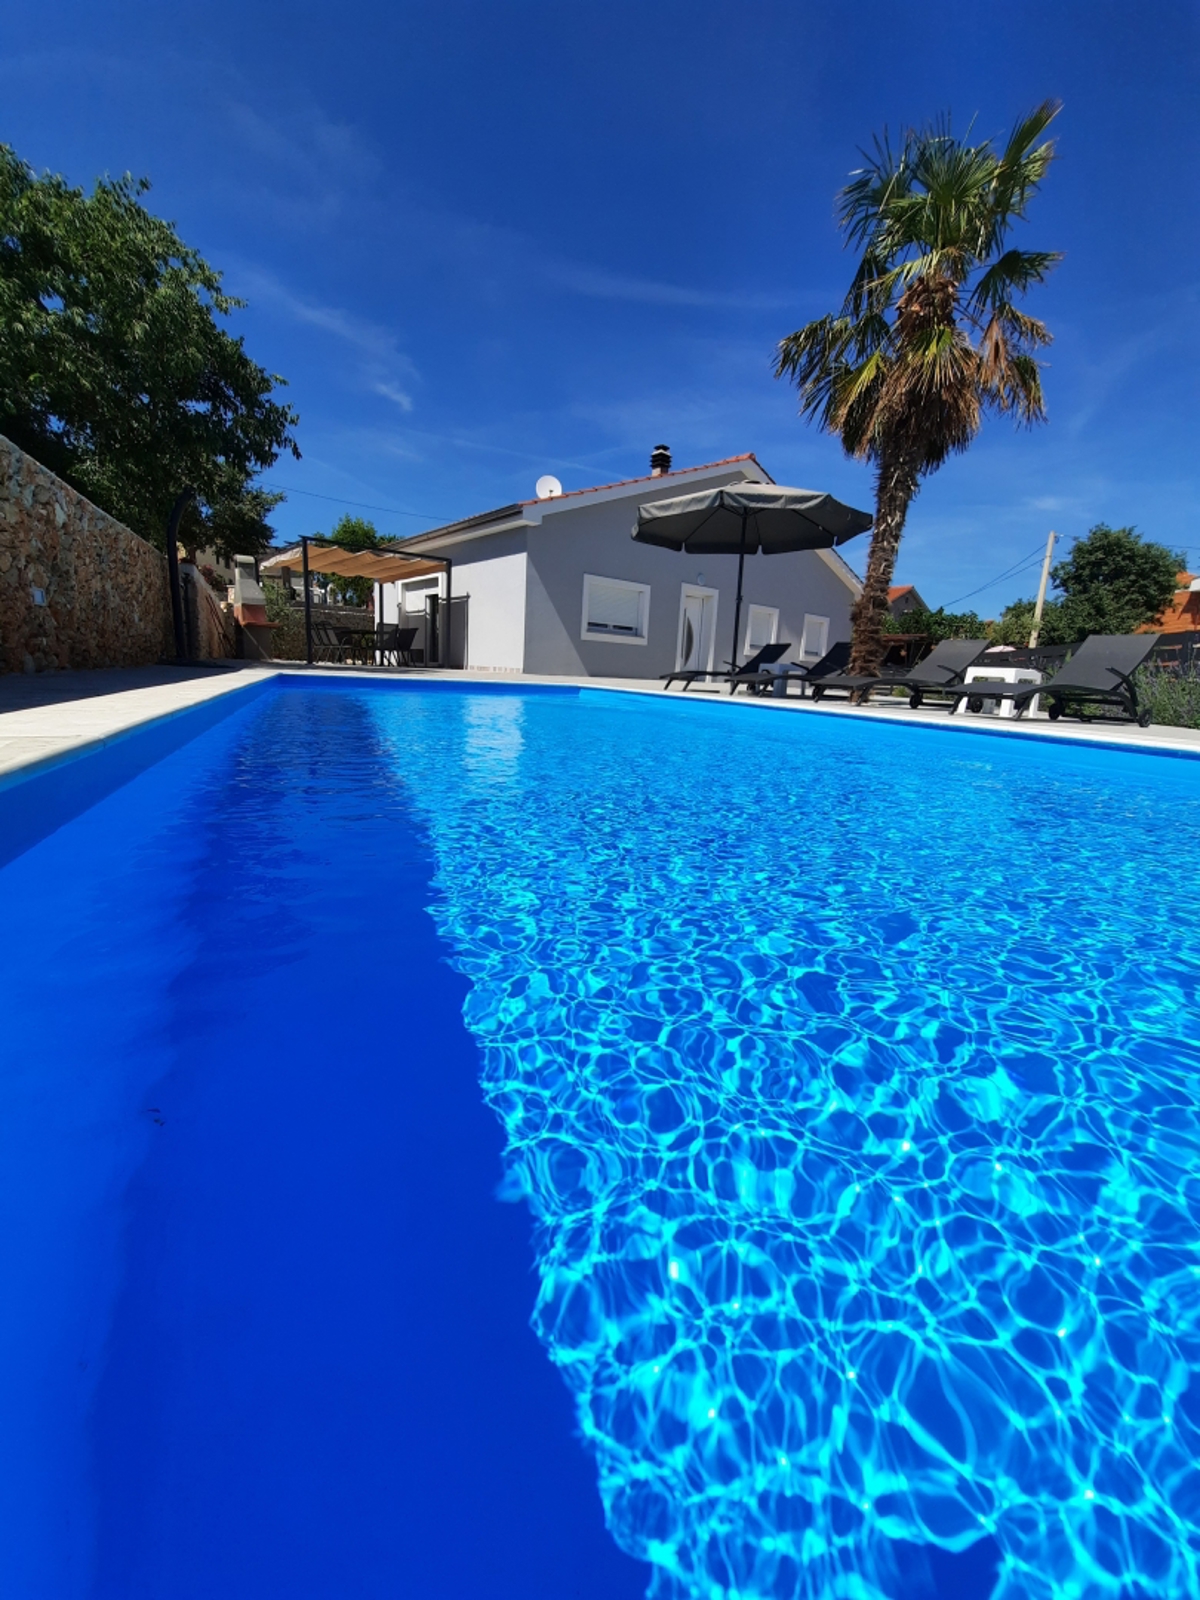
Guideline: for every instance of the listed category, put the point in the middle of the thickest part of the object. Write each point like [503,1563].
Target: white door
[697,619]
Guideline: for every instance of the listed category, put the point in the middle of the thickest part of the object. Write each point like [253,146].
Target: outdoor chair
[833,661]
[732,674]
[358,644]
[1100,673]
[941,671]
[397,642]
[326,644]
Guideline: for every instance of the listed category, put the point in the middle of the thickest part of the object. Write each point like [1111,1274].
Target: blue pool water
[848,1072]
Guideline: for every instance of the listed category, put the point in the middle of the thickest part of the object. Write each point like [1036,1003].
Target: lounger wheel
[817,691]
[914,700]
[1143,719]
[1054,710]
[975,703]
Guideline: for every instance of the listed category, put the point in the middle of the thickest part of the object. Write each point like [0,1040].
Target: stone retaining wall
[77,588]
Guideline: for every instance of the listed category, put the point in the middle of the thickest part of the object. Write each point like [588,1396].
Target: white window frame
[689,591]
[814,655]
[601,635]
[770,611]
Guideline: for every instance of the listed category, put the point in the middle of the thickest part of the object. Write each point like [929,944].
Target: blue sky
[487,241]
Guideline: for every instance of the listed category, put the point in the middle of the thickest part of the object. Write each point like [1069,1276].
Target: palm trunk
[895,486]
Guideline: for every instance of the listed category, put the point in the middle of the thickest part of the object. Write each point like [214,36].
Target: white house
[557,585]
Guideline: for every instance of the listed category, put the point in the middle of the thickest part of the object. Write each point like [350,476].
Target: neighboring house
[1183,614]
[903,599]
[557,585]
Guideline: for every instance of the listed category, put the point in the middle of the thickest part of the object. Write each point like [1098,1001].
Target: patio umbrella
[748,519]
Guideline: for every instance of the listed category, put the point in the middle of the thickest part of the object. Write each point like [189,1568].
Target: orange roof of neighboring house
[896,591]
[1183,613]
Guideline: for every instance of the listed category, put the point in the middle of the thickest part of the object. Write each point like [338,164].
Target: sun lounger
[769,654]
[940,671]
[1099,673]
[833,661]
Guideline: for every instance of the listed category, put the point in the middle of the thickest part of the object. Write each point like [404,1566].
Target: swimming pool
[848,1071]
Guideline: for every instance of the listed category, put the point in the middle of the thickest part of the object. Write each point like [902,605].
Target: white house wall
[493,573]
[597,540]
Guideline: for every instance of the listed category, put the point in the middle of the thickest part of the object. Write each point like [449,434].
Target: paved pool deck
[49,717]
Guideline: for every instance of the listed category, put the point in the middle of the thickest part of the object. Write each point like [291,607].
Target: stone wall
[77,588]
[208,625]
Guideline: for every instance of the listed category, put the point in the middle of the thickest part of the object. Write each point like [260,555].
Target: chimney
[660,460]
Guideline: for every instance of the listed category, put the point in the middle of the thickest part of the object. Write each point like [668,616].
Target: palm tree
[929,336]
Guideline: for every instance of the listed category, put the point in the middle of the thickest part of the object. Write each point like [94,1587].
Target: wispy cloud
[1167,322]
[382,367]
[601,284]
[397,396]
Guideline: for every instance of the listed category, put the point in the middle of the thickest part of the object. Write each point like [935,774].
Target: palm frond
[876,186]
[1014,272]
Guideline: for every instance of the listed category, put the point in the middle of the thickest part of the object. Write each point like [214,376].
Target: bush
[1171,698]
[937,624]
[1016,624]
[287,637]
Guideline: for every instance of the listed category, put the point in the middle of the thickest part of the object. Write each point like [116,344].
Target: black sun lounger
[1099,673]
[833,661]
[940,671]
[767,656]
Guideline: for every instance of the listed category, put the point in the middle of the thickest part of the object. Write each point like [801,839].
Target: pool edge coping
[69,748]
[75,748]
[1175,749]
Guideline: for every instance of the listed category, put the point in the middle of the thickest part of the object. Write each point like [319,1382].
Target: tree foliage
[1113,581]
[115,369]
[354,533]
[1015,625]
[938,625]
[930,335]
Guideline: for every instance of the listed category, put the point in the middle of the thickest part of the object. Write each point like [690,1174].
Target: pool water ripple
[851,1078]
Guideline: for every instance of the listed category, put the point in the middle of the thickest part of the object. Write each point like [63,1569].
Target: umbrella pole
[737,605]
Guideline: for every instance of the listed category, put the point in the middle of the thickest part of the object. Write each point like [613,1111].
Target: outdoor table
[992,681]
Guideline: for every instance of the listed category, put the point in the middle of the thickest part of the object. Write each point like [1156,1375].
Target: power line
[1022,564]
[363,505]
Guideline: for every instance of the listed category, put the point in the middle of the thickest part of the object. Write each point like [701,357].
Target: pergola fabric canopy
[749,519]
[381,566]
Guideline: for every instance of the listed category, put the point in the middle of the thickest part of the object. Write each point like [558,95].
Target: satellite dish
[548,487]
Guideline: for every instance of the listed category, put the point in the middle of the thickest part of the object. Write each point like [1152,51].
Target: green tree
[115,369]
[939,624]
[1114,581]
[354,533]
[1015,624]
[930,335]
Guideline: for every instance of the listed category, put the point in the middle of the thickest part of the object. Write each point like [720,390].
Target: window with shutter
[762,624]
[815,640]
[614,609]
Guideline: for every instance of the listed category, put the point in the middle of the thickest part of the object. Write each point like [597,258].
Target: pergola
[380,566]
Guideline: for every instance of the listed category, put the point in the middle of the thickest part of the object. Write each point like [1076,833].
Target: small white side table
[994,678]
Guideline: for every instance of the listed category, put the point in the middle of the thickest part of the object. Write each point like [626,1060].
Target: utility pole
[1041,599]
